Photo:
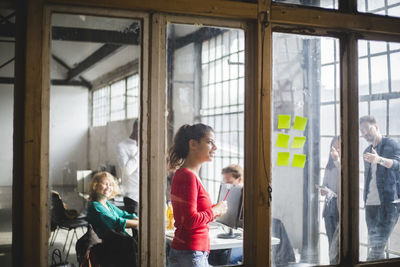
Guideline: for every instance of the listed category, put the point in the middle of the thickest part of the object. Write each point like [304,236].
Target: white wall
[68,133]
[103,141]
[183,91]
[6,134]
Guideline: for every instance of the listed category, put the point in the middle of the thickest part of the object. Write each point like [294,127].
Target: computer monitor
[233,195]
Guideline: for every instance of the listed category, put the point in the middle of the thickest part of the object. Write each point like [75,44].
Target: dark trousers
[380,220]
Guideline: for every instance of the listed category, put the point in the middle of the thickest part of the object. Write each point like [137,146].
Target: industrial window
[117,101]
[222,100]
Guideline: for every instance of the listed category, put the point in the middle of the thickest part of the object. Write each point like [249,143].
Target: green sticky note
[283,140]
[283,121]
[283,158]
[299,160]
[298,142]
[300,123]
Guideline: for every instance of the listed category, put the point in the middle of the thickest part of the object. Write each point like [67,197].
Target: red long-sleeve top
[192,212]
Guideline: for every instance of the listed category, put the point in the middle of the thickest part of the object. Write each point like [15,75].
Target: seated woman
[109,222]
[102,214]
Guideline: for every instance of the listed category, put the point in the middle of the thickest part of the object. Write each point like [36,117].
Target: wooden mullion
[18,137]
[258,135]
[348,6]
[349,206]
[156,147]
[36,137]
[210,8]
[334,20]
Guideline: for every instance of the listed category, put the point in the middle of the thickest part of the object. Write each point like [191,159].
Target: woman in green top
[102,214]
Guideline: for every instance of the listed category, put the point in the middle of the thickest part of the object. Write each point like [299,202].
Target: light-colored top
[373,194]
[103,219]
[128,160]
[192,212]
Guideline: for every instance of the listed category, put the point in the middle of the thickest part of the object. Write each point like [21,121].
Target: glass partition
[7,57]
[205,67]
[306,150]
[94,128]
[379,152]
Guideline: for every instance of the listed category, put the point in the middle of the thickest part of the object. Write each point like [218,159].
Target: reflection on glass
[206,85]
[330,4]
[379,151]
[306,177]
[7,46]
[380,7]
[94,111]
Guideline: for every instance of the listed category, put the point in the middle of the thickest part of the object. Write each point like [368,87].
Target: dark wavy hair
[179,150]
[330,163]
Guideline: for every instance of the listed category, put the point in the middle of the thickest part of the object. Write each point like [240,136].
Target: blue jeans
[187,258]
[380,223]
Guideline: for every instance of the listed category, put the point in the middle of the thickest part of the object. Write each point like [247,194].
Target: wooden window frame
[31,122]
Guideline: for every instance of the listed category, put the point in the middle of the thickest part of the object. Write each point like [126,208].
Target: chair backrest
[57,207]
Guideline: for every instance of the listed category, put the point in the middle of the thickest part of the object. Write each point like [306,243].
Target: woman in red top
[192,207]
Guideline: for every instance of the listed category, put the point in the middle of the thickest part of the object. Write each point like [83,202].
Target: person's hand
[220,208]
[335,154]
[372,157]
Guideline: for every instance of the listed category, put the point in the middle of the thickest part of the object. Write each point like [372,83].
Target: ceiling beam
[98,55]
[200,35]
[11,80]
[130,36]
[126,37]
[65,65]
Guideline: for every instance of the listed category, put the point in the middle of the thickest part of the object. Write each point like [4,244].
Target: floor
[68,195]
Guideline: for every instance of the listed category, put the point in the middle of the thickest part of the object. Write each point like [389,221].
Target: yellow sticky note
[283,158]
[283,121]
[299,160]
[300,123]
[298,142]
[283,140]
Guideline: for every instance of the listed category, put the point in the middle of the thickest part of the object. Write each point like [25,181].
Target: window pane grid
[118,101]
[222,103]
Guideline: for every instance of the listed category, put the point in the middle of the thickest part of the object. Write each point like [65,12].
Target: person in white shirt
[128,161]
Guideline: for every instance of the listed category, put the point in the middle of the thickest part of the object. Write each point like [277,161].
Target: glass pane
[380,7]
[329,4]
[379,152]
[212,56]
[7,56]
[92,85]
[305,151]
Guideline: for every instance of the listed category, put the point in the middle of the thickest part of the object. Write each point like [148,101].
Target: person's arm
[107,218]
[132,223]
[185,203]
[123,213]
[373,157]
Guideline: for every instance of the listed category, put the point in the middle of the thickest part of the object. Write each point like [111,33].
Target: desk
[221,243]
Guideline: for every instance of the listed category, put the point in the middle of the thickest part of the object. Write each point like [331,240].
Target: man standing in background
[128,161]
[381,171]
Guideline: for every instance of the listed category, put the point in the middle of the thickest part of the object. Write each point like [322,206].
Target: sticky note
[283,158]
[300,123]
[299,160]
[283,140]
[283,121]
[298,142]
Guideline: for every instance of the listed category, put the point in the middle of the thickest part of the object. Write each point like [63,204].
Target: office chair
[65,219]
